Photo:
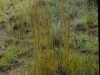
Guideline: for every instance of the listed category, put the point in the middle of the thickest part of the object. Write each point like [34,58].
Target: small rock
[19,69]
[2,46]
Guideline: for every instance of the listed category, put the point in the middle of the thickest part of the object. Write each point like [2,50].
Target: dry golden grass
[47,61]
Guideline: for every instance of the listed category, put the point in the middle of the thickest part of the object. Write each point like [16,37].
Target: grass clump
[48,61]
[5,61]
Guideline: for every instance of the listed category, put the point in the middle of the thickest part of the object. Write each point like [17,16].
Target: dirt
[3,36]
[21,69]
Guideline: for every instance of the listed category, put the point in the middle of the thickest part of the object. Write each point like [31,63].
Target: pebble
[2,46]
[19,69]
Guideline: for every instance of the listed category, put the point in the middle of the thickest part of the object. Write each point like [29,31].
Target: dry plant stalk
[66,36]
[45,61]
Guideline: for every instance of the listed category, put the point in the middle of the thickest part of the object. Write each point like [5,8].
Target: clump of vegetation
[5,61]
[65,60]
